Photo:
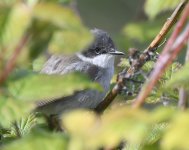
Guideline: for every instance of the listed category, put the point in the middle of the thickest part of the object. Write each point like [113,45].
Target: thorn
[165,40]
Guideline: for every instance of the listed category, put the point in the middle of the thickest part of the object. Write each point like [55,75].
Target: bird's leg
[54,123]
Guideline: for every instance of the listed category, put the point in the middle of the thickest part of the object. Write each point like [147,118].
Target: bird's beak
[116,52]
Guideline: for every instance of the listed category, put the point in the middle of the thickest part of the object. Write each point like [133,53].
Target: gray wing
[63,65]
[68,64]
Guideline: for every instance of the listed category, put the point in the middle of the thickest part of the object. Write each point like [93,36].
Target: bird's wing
[60,64]
[63,65]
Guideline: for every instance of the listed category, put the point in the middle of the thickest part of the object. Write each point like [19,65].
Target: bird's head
[102,50]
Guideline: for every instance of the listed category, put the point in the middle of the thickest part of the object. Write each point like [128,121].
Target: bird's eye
[97,50]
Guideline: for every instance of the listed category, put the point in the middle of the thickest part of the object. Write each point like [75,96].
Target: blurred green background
[110,15]
[129,24]
[62,26]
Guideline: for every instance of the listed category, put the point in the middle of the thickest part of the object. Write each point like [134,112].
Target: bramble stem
[141,61]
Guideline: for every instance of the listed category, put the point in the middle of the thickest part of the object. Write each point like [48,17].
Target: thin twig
[178,28]
[183,98]
[169,52]
[12,61]
[124,75]
[183,93]
[165,59]
[167,26]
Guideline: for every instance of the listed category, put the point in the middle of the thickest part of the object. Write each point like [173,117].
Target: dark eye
[97,50]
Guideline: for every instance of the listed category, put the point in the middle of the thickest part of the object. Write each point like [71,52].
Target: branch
[178,28]
[165,59]
[167,26]
[183,93]
[183,98]
[12,61]
[124,75]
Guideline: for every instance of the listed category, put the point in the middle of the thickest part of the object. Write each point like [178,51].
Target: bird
[96,60]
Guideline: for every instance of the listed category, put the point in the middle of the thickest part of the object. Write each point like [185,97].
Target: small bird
[97,61]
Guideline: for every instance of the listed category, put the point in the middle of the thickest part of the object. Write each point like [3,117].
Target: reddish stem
[183,93]
[12,61]
[163,62]
[126,74]
[178,29]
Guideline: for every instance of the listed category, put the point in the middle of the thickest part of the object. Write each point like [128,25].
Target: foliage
[53,27]
[38,141]
[35,87]
[45,23]
[154,7]
[179,128]
[12,109]
[180,79]
[142,31]
[114,126]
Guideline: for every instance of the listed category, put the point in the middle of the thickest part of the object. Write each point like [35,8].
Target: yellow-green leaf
[43,86]
[87,121]
[18,21]
[70,41]
[56,14]
[153,7]
[39,141]
[180,78]
[24,125]
[12,109]
[177,135]
[72,36]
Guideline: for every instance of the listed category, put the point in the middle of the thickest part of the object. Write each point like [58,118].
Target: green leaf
[58,15]
[180,78]
[72,36]
[154,7]
[114,126]
[142,31]
[124,63]
[39,141]
[79,116]
[38,63]
[4,13]
[69,41]
[24,125]
[43,86]
[136,126]
[177,135]
[8,2]
[18,21]
[147,67]
[162,114]
[41,35]
[124,123]
[161,93]
[12,109]
[156,133]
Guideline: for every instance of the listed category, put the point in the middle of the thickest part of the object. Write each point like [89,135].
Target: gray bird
[97,61]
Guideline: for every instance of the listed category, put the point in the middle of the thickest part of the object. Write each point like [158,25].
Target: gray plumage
[95,61]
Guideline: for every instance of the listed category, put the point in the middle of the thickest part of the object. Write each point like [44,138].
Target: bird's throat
[103,60]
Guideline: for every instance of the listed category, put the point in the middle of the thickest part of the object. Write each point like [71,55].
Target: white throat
[103,60]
